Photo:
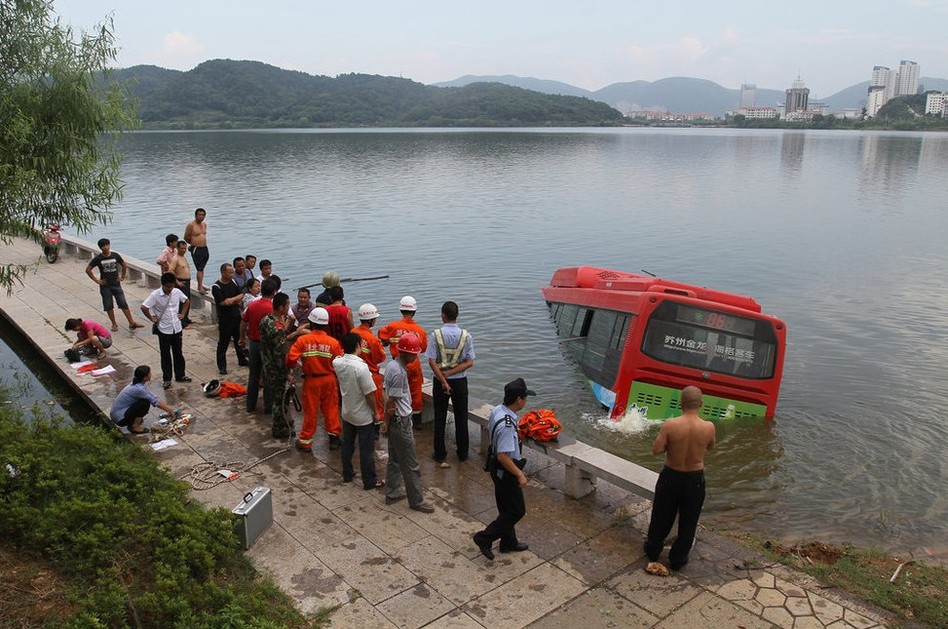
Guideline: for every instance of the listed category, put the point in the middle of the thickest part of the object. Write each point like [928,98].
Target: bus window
[565,317]
[708,340]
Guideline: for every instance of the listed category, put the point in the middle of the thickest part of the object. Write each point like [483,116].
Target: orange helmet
[409,343]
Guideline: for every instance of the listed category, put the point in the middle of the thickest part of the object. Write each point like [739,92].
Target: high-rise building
[907,81]
[885,78]
[797,97]
[748,95]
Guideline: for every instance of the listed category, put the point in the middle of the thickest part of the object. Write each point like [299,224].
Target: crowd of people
[348,381]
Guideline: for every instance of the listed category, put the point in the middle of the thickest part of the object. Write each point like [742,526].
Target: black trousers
[171,356]
[681,494]
[253,381]
[510,509]
[366,437]
[458,399]
[138,409]
[228,332]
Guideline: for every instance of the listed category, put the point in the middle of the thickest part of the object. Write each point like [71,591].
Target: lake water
[841,234]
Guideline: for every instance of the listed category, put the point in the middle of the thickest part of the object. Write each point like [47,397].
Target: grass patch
[919,594]
[95,534]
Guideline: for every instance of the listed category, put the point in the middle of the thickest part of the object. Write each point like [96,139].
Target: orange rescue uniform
[373,354]
[389,334]
[314,353]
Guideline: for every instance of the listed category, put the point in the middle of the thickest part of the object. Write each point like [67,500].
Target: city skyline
[829,46]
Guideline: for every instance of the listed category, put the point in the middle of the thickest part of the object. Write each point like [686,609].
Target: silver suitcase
[256,515]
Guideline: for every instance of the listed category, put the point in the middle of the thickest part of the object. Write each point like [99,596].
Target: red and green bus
[640,339]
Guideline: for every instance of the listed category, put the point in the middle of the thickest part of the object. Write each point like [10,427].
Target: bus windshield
[710,340]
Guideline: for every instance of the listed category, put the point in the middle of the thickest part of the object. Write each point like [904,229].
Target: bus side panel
[658,402]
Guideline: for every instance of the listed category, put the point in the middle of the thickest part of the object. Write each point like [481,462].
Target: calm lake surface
[841,234]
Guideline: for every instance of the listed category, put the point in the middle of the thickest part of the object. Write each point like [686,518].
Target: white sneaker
[381,455]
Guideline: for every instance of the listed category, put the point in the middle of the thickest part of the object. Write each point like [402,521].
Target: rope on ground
[210,474]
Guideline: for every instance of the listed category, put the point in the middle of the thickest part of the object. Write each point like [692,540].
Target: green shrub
[126,534]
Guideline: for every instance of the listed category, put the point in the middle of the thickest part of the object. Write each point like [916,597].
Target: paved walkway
[336,545]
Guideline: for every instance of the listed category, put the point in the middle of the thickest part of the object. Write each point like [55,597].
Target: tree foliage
[58,162]
[232,94]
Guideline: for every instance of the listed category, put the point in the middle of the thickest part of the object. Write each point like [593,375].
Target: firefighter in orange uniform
[389,335]
[314,352]
[372,351]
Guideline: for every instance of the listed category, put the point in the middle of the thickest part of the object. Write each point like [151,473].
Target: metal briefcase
[256,515]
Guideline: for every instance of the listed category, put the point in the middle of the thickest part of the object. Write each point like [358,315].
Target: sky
[830,44]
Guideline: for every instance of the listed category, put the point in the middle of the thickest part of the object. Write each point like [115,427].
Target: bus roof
[609,281]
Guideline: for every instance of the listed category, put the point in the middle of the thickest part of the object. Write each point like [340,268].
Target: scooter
[51,241]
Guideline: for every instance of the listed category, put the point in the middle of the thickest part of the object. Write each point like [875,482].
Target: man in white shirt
[359,411]
[162,309]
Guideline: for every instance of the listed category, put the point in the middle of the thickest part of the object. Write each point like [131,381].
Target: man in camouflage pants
[274,343]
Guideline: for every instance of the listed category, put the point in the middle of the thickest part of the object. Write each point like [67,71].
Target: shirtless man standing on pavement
[680,487]
[195,234]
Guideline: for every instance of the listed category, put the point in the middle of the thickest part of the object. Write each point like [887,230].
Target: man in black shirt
[112,271]
[227,297]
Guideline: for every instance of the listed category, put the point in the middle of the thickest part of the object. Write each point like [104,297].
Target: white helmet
[319,316]
[367,312]
[330,279]
[212,388]
[408,303]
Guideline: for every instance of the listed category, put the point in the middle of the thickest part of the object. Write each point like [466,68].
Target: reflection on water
[840,234]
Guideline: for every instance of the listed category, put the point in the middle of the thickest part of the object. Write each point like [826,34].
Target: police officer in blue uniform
[507,472]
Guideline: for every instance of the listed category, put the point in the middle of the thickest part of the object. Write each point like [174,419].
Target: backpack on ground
[540,425]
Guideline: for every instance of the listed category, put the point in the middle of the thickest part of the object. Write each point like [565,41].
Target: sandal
[115,328]
[131,326]
[139,432]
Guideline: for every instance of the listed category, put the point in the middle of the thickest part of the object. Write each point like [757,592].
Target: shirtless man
[680,487]
[182,272]
[195,234]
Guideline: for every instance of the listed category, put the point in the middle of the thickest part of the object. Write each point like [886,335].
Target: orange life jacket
[539,425]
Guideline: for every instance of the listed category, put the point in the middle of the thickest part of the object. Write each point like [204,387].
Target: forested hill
[250,94]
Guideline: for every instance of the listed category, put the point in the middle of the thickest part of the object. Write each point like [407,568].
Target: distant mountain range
[243,94]
[222,93]
[680,94]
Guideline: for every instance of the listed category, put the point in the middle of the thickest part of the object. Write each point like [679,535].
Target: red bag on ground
[540,425]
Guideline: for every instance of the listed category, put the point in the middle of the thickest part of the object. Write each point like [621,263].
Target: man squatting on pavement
[402,461]
[680,487]
[450,356]
[507,472]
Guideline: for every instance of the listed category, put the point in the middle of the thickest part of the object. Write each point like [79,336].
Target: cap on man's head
[408,303]
[517,388]
[330,279]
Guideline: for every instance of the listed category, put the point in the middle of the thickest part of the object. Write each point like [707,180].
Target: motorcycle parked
[51,242]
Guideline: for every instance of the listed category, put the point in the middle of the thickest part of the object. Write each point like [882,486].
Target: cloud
[180,51]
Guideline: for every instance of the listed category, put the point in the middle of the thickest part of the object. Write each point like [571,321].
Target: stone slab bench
[583,464]
[145,274]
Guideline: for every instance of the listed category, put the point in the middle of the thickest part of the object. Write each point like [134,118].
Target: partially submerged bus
[640,339]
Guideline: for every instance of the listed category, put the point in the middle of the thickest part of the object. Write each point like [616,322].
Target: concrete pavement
[334,545]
